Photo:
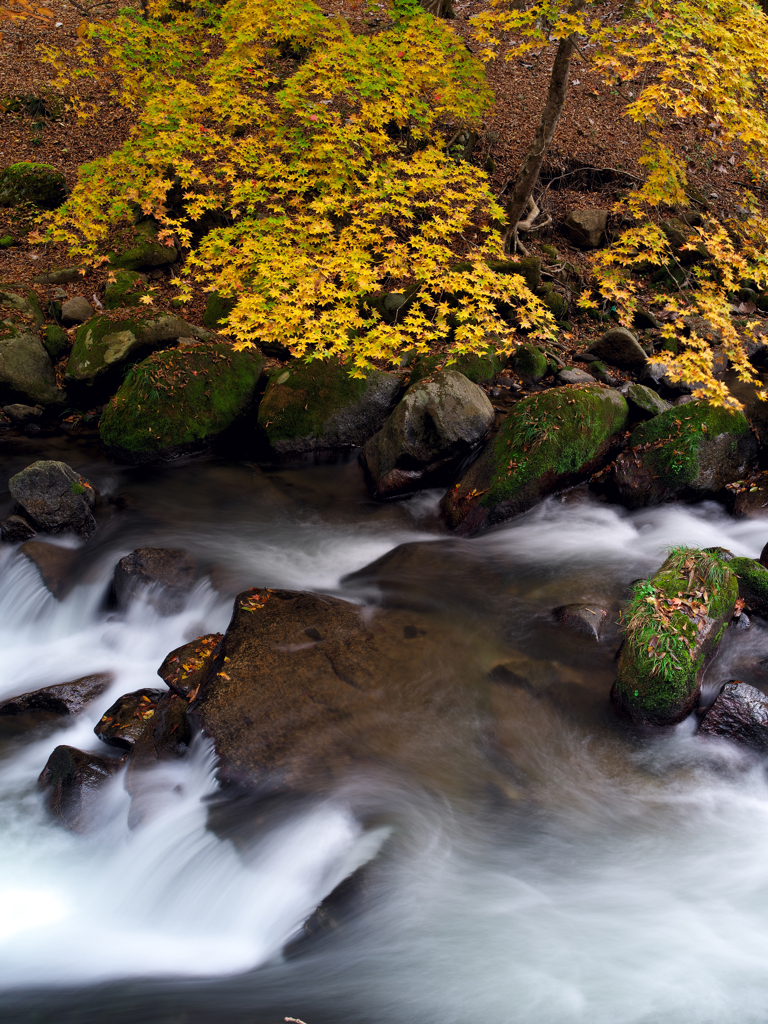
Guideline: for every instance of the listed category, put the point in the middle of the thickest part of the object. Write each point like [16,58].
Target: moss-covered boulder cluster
[673,626]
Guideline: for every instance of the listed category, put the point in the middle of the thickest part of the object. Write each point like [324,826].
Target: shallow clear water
[585,873]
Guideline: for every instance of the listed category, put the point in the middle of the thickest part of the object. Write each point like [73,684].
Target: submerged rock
[740,713]
[180,401]
[583,618]
[435,425]
[184,669]
[54,498]
[692,451]
[123,723]
[317,406]
[70,782]
[60,699]
[547,442]
[675,622]
[163,577]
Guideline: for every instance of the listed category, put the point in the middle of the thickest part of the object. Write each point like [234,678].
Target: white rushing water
[630,897]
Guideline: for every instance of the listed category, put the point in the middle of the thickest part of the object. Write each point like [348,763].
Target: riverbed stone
[26,370]
[693,452]
[70,783]
[76,310]
[317,406]
[180,401]
[61,698]
[739,713]
[307,690]
[16,529]
[163,577]
[586,228]
[124,721]
[435,425]
[20,414]
[573,376]
[589,619]
[184,668]
[619,347]
[54,498]
[674,624]
[104,348]
[548,441]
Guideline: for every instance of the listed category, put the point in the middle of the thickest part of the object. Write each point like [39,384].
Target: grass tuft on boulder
[673,626]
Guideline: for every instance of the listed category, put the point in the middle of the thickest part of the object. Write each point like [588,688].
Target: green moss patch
[529,363]
[549,440]
[179,400]
[55,341]
[674,623]
[217,309]
[39,184]
[144,250]
[127,289]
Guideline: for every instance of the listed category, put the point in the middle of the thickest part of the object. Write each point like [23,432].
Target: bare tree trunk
[440,8]
[528,174]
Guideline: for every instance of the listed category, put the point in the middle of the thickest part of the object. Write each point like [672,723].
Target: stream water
[590,874]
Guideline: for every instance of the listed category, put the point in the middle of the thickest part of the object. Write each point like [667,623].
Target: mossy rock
[753,584]
[548,441]
[56,342]
[144,251]
[644,402]
[127,289]
[7,241]
[217,309]
[529,363]
[317,406]
[556,303]
[104,348]
[688,451]
[26,372]
[39,184]
[27,304]
[674,624]
[179,401]
[480,369]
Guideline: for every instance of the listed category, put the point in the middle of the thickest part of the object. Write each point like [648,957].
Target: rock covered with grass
[549,441]
[180,401]
[673,626]
[318,406]
[688,451]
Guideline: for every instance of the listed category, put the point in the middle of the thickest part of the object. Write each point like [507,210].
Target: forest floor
[593,158]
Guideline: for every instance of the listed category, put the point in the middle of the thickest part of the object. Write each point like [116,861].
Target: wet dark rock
[763,559]
[70,782]
[619,347]
[548,441]
[739,713]
[165,736]
[753,584]
[161,576]
[690,452]
[20,414]
[435,425]
[60,699]
[184,669]
[123,723]
[54,498]
[583,618]
[54,565]
[16,529]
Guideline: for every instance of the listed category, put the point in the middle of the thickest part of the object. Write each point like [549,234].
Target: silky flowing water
[556,867]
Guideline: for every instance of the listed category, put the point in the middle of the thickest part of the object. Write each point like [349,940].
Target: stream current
[588,873]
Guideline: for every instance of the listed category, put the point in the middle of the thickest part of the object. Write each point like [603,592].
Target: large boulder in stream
[104,347]
[179,401]
[303,687]
[689,451]
[436,424]
[26,370]
[163,577]
[54,498]
[70,783]
[673,626]
[318,406]
[547,442]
